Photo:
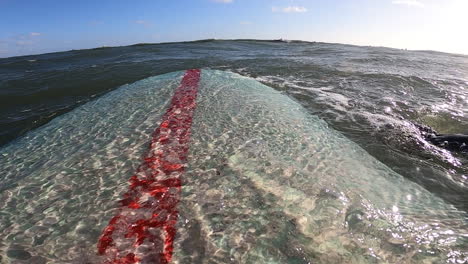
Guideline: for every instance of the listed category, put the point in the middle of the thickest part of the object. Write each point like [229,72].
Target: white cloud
[413,3]
[35,34]
[144,23]
[24,42]
[289,9]
[245,23]
[223,1]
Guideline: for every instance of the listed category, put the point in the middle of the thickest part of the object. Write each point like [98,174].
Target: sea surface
[377,97]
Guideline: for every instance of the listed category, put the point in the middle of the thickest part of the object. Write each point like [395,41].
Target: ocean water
[375,97]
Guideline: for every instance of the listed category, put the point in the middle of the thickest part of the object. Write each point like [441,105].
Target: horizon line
[280,40]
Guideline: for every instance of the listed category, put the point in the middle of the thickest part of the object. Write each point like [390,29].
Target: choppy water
[373,96]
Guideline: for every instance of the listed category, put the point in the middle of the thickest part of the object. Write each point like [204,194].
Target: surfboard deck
[211,167]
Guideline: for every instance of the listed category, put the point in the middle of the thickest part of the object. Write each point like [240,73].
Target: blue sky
[32,27]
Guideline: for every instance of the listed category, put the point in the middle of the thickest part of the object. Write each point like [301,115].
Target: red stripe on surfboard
[144,228]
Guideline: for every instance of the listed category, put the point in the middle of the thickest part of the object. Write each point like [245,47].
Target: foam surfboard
[207,166]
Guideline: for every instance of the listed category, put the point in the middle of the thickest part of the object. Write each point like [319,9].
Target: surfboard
[206,166]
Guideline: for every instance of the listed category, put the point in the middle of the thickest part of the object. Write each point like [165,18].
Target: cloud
[223,1]
[24,42]
[245,23]
[21,40]
[20,43]
[289,9]
[143,22]
[412,3]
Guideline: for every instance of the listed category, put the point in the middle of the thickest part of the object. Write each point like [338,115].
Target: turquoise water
[374,96]
[267,182]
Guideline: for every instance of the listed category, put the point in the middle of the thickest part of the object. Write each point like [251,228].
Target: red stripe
[144,228]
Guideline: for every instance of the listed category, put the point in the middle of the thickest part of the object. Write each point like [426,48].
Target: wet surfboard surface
[209,166]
